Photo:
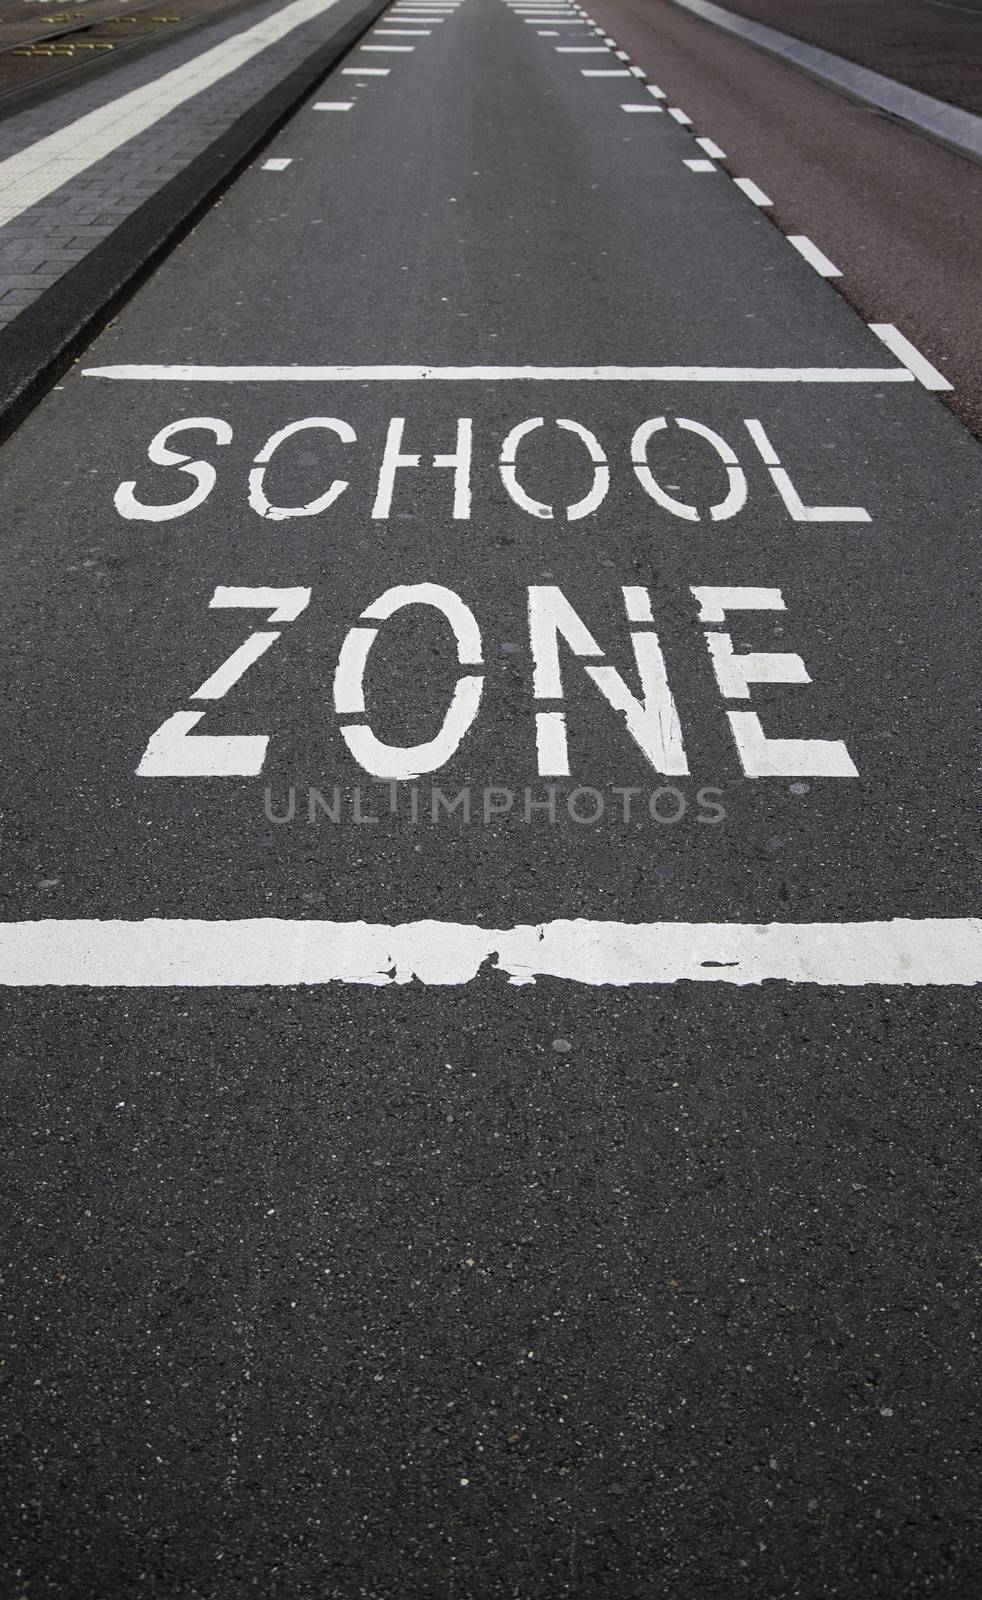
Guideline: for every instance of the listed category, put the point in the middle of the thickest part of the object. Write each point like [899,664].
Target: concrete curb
[958,129]
[44,339]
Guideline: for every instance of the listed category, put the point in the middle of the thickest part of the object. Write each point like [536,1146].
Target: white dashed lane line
[813,255]
[276,164]
[916,365]
[333,105]
[911,357]
[753,191]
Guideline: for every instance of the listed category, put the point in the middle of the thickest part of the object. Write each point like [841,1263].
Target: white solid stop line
[265,951]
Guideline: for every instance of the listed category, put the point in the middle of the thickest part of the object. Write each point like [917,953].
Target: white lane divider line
[333,105]
[184,952]
[548,33]
[638,72]
[752,191]
[158,373]
[401,33]
[276,164]
[365,72]
[814,256]
[390,49]
[581,50]
[605,72]
[917,365]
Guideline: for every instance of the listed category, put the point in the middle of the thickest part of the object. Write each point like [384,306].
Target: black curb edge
[40,343]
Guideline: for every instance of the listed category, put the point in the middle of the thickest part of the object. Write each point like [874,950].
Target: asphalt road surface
[899,214]
[405,1202]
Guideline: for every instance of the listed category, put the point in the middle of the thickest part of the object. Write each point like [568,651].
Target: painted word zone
[558,639]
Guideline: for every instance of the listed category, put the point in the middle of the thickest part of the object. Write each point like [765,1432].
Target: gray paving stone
[47,240]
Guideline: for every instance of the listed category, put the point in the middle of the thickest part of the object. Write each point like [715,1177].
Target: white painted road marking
[680,116]
[712,149]
[911,357]
[266,951]
[153,373]
[276,164]
[813,255]
[752,192]
[700,165]
[365,72]
[642,108]
[333,105]
[29,176]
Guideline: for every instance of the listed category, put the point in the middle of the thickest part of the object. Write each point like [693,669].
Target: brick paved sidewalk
[42,243]
[931,45]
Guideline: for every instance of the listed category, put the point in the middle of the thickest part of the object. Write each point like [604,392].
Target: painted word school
[179,748]
[399,468]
